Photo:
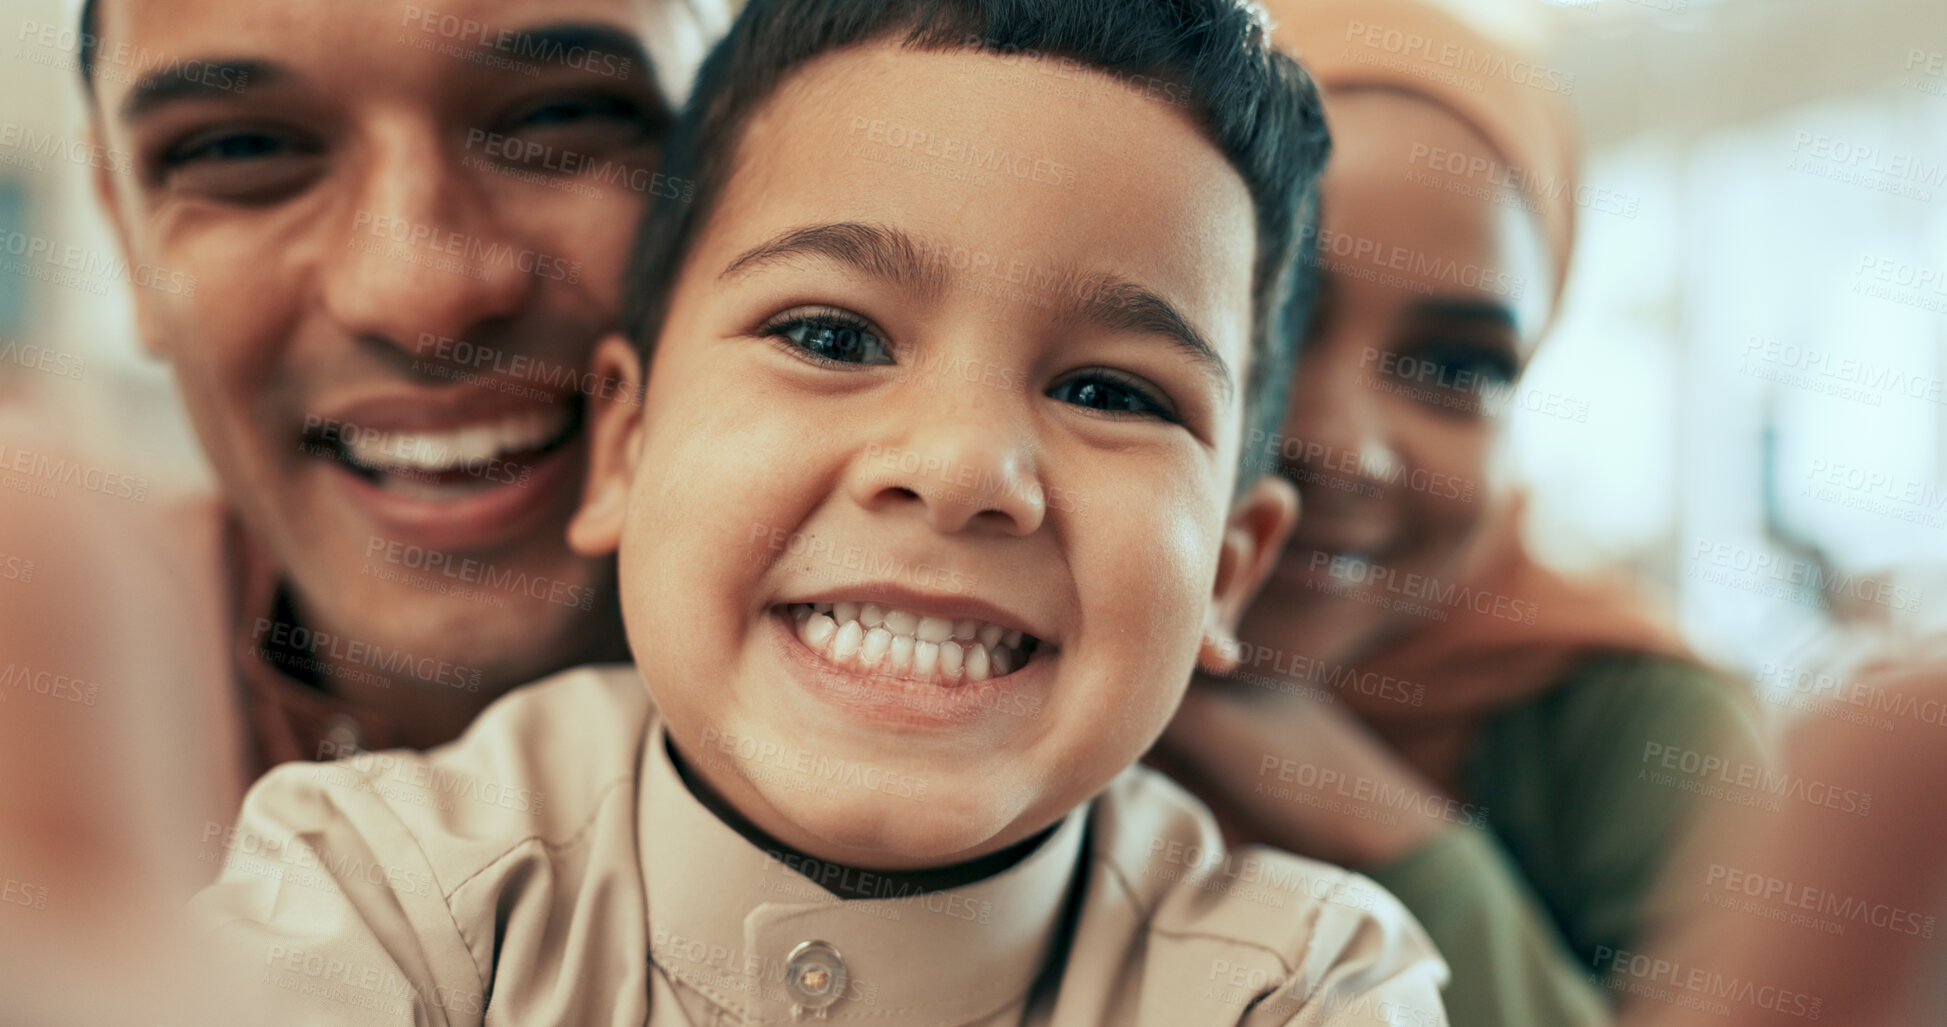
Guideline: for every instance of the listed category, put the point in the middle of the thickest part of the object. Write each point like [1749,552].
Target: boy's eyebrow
[880,252]
[193,80]
[1106,301]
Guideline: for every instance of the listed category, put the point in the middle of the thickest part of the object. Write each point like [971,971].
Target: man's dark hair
[1215,56]
[89,34]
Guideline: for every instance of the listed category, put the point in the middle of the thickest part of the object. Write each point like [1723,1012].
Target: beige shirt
[551,867]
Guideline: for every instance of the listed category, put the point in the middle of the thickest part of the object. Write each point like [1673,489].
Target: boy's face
[961,345]
[406,226]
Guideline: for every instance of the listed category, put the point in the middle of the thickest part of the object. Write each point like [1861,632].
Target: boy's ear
[614,442]
[1259,522]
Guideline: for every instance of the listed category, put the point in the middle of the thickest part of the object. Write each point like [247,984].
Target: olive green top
[1579,824]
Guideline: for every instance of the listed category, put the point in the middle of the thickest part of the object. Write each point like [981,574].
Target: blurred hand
[1298,774]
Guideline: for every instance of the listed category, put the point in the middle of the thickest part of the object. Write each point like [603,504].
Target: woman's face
[1434,284]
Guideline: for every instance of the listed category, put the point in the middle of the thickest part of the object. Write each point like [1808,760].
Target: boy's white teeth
[454,448]
[868,636]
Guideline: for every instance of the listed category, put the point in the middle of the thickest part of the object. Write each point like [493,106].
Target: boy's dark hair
[1214,56]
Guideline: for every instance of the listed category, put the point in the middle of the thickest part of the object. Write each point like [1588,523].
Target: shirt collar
[725,917]
[287,717]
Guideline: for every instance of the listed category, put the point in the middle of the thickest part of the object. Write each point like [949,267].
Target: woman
[1420,699]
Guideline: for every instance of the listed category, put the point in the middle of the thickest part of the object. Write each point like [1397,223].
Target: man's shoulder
[538,764]
[1274,931]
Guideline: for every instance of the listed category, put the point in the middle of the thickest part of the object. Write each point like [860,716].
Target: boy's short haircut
[1214,57]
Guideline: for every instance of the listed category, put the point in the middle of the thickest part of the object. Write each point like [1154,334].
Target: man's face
[925,512]
[406,226]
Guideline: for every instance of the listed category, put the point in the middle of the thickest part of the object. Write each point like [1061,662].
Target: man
[406,225]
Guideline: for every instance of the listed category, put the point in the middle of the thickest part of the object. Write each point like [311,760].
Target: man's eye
[833,337]
[562,131]
[242,166]
[233,146]
[1112,394]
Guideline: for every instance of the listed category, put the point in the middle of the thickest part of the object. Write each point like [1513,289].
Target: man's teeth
[456,448]
[867,636]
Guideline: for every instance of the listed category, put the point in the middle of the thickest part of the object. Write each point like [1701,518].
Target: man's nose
[427,256]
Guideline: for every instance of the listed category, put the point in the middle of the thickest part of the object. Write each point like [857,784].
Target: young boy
[932,505]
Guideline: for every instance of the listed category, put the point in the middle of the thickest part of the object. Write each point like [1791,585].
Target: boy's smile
[1015,396]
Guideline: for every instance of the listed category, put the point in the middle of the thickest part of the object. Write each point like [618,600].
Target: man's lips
[469,449]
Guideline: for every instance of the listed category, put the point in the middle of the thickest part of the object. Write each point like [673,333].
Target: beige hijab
[1474,663]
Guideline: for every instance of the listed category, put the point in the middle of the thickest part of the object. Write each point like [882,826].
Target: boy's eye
[831,336]
[246,166]
[1112,393]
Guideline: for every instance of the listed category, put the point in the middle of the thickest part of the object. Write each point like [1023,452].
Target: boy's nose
[961,471]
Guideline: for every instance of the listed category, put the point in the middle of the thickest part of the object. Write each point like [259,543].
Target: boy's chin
[877,832]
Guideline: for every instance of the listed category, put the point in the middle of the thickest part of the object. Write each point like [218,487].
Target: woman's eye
[1466,364]
[834,338]
[1112,394]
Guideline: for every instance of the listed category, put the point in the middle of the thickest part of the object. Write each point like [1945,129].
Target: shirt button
[814,975]
[342,734]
